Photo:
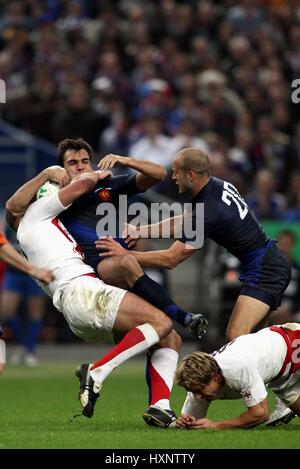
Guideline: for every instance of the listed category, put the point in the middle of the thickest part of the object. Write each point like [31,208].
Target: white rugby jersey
[250,362]
[46,243]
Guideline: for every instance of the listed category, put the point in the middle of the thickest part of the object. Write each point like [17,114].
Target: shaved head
[193,159]
[191,170]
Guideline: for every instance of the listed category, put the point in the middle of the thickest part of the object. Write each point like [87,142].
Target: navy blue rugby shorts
[265,274]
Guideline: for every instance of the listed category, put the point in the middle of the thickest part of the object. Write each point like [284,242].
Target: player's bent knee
[175,340]
[110,272]
[230,336]
[163,327]
[172,340]
[104,272]
[129,263]
[234,333]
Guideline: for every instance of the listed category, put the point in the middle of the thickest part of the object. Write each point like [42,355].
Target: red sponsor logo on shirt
[105,195]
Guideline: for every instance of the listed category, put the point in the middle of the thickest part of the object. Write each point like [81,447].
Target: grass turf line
[36,406]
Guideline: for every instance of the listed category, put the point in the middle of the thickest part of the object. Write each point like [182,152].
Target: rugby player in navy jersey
[265,271]
[81,221]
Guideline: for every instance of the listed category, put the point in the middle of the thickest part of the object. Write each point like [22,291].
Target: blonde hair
[196,370]
[195,160]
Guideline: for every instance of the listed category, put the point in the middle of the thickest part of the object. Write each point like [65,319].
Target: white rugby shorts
[90,306]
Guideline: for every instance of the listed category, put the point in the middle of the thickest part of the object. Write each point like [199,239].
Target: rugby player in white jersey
[242,369]
[88,304]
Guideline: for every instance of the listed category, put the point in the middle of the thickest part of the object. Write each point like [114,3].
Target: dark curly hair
[72,144]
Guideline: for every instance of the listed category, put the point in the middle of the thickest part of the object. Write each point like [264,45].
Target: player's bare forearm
[254,416]
[80,185]
[154,259]
[166,259]
[245,420]
[20,201]
[112,248]
[168,228]
[148,169]
[148,173]
[10,256]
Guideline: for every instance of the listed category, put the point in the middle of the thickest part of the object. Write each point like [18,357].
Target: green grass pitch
[36,406]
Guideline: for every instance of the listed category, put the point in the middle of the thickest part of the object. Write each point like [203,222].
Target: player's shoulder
[115,182]
[37,204]
[215,188]
[121,180]
[220,185]
[236,363]
[234,349]
[217,182]
[45,201]
[40,207]
[212,197]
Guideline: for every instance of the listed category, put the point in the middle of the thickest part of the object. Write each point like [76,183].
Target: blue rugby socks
[32,334]
[155,294]
[14,323]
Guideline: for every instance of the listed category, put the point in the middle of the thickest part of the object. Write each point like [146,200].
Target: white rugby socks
[135,341]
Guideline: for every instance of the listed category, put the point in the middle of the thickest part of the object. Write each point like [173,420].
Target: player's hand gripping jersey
[82,217]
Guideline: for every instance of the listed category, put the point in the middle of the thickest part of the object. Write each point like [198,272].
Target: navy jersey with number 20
[227,219]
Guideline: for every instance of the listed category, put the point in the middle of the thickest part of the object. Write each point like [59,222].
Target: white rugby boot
[281,415]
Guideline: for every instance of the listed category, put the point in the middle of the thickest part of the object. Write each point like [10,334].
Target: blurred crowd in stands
[148,78]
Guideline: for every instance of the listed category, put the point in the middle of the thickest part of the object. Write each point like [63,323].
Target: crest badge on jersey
[105,195]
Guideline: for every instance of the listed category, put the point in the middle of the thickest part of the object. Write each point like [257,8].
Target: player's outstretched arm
[21,199]
[148,174]
[168,228]
[166,259]
[80,185]
[254,416]
[9,255]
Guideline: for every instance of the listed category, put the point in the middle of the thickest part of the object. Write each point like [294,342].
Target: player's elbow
[13,209]
[265,416]
[158,177]
[259,415]
[170,262]
[8,207]
[163,174]
[82,186]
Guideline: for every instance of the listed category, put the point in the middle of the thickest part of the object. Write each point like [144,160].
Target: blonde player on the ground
[88,304]
[242,369]
[10,256]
